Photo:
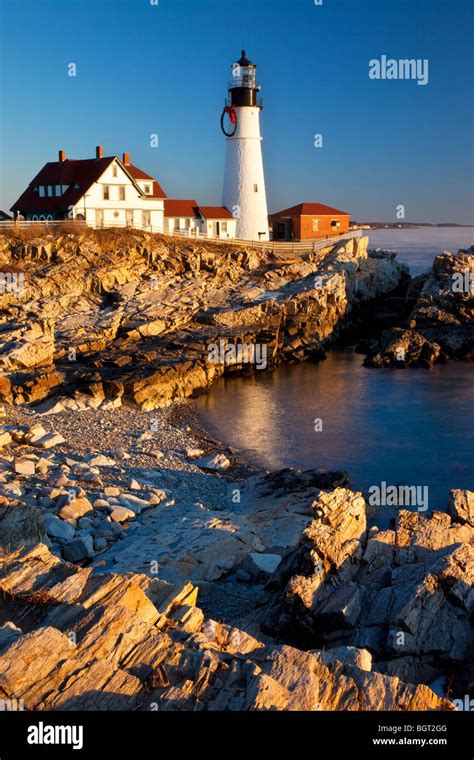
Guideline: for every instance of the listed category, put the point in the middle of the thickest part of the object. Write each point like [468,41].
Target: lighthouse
[244,181]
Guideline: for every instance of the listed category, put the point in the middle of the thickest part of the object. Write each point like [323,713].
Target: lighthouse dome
[244,61]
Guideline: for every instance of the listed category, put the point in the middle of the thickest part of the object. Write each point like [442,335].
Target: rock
[75,508]
[121,514]
[141,641]
[134,485]
[112,491]
[100,460]
[101,504]
[58,528]
[461,506]
[193,453]
[9,633]
[23,466]
[261,565]
[50,440]
[213,462]
[109,530]
[361,658]
[440,321]
[133,503]
[20,525]
[405,348]
[5,438]
[78,549]
[342,609]
[35,434]
[49,407]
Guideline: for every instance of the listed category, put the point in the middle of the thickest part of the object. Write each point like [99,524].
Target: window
[121,193]
[223,226]
[315,223]
[42,191]
[58,190]
[335,223]
[106,192]
[147,189]
[50,190]
[114,171]
[255,187]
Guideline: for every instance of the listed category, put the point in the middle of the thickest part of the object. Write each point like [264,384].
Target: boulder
[79,548]
[213,462]
[121,514]
[261,565]
[461,506]
[58,528]
[20,525]
[75,508]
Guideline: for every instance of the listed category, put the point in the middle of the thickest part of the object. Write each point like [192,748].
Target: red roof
[137,173]
[310,209]
[72,172]
[215,212]
[82,173]
[181,208]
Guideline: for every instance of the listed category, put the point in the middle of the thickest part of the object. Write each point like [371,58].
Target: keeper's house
[309,221]
[103,191]
[189,217]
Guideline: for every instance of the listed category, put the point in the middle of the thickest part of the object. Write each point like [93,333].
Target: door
[218,229]
[129,218]
[280,230]
[145,219]
[99,217]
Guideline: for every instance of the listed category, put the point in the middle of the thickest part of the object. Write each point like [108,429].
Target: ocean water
[418,247]
[403,427]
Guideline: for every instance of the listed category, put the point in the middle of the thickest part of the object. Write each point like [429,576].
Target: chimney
[126,158]
[62,156]
[99,151]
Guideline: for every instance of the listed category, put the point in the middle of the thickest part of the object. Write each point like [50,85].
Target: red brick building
[309,221]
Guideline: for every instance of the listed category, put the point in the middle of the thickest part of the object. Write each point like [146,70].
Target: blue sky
[144,69]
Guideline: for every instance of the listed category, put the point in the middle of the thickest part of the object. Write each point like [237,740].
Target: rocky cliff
[101,315]
[440,322]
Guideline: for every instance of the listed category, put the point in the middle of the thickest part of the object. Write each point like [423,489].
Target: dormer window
[147,189]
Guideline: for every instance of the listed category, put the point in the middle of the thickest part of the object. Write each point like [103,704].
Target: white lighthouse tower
[244,182]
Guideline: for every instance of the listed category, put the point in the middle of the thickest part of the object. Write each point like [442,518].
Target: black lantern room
[243,87]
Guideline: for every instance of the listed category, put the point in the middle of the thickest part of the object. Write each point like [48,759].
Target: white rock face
[244,182]
[214,462]
[361,658]
[262,564]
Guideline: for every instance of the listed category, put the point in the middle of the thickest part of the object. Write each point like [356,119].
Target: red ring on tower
[230,111]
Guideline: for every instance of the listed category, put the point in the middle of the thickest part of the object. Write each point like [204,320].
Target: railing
[280,246]
[242,82]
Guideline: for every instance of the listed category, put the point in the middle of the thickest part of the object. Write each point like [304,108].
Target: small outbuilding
[309,221]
